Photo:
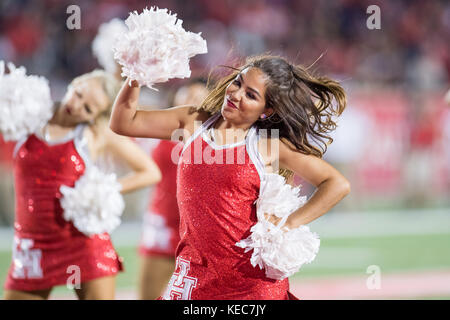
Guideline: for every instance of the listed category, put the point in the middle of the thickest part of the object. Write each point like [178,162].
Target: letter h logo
[27,261]
[180,285]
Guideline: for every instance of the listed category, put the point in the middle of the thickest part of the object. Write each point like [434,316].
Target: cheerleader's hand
[272,218]
[275,220]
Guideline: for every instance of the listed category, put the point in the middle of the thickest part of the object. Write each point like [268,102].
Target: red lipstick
[231,104]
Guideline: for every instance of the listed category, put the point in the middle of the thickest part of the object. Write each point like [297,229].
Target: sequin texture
[45,244]
[216,203]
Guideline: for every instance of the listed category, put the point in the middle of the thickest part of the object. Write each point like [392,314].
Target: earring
[263,116]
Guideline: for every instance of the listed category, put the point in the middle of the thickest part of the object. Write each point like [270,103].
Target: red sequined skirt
[212,281]
[39,265]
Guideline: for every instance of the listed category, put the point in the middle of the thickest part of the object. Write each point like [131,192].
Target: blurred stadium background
[393,142]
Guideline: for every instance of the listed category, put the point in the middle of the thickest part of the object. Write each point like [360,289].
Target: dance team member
[160,231]
[45,244]
[216,199]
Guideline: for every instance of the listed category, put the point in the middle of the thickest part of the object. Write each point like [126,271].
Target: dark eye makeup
[86,107]
[249,94]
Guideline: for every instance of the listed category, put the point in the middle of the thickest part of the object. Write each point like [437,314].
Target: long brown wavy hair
[304,105]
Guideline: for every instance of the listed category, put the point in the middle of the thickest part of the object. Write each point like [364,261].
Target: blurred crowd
[411,48]
[396,76]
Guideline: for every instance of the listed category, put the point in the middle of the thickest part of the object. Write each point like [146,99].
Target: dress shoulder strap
[254,154]
[211,120]
[81,143]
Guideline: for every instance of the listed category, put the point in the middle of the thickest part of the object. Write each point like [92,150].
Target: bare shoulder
[108,136]
[95,140]
[189,115]
[287,146]
[274,151]
[269,150]
[272,146]
[288,153]
[99,129]
[100,135]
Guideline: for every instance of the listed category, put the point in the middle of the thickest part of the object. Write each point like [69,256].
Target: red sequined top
[40,170]
[216,190]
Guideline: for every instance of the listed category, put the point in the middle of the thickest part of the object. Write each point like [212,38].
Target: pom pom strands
[25,103]
[278,197]
[94,204]
[281,253]
[102,46]
[156,48]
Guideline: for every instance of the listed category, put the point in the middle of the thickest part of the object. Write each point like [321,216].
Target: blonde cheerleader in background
[65,206]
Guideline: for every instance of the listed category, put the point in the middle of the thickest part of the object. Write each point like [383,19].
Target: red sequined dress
[48,250]
[160,232]
[217,186]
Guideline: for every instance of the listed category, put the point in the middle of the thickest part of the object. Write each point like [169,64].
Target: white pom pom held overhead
[25,102]
[94,204]
[156,48]
[280,252]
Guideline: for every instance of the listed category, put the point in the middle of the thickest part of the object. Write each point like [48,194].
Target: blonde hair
[108,82]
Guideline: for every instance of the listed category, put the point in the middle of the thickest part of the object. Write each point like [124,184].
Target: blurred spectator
[419,164]
[411,39]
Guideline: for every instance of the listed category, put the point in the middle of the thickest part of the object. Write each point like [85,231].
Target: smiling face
[245,101]
[84,101]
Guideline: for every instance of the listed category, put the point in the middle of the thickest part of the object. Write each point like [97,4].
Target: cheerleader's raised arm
[163,49]
[128,120]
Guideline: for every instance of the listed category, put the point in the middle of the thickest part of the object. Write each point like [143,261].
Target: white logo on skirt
[27,261]
[180,285]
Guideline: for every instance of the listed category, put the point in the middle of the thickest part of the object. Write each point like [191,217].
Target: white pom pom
[277,197]
[25,102]
[280,253]
[102,46]
[156,48]
[94,204]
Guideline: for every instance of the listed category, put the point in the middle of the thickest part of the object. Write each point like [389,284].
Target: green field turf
[337,256]
[390,253]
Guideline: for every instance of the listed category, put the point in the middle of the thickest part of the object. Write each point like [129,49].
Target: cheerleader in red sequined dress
[48,250]
[225,160]
[161,222]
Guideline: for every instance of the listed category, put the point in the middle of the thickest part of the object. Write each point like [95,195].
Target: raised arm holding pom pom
[217,192]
